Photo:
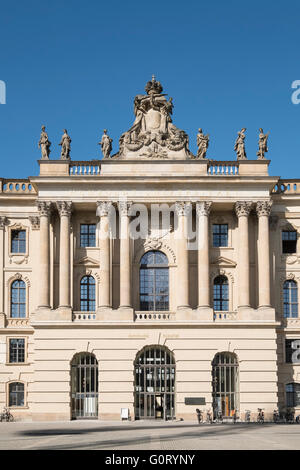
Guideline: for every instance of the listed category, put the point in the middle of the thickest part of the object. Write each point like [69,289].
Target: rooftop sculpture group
[153,134]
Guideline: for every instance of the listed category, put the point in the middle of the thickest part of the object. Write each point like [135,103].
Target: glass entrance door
[84,386]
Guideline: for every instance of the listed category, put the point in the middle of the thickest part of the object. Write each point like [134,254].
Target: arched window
[16,394]
[87,294]
[155,383]
[18,299]
[221,294]
[225,383]
[290,299]
[292,392]
[154,281]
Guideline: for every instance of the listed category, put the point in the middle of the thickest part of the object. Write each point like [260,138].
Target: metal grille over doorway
[155,384]
[84,386]
[225,384]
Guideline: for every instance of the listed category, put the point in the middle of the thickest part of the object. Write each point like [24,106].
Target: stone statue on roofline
[262,144]
[239,146]
[44,144]
[106,144]
[65,146]
[202,144]
[153,134]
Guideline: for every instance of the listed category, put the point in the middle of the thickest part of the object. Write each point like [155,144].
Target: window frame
[290,303]
[88,299]
[11,303]
[282,241]
[18,227]
[13,406]
[156,267]
[88,224]
[219,235]
[220,299]
[8,355]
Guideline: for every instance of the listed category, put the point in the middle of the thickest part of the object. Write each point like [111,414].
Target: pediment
[87,261]
[222,261]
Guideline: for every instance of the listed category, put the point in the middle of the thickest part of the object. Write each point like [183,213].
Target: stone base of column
[252,314]
[47,314]
[205,313]
[104,313]
[185,314]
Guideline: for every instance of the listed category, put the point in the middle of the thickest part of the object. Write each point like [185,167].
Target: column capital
[35,222]
[263,208]
[64,208]
[3,222]
[124,207]
[183,208]
[243,208]
[44,208]
[203,207]
[103,208]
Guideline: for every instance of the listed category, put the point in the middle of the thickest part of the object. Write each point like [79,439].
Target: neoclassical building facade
[149,283]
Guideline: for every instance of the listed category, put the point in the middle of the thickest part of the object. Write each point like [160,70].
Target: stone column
[242,209]
[44,208]
[182,278]
[263,209]
[125,265]
[103,208]
[203,210]
[65,209]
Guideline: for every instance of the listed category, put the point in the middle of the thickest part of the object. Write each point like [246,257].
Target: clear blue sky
[78,65]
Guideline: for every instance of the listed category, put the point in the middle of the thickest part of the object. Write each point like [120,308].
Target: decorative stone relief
[153,135]
[243,208]
[35,222]
[183,208]
[104,208]
[64,208]
[44,208]
[124,208]
[203,207]
[263,208]
[3,221]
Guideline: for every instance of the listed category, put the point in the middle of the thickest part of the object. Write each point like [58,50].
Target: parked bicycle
[6,415]
[261,416]
[235,416]
[219,417]
[209,417]
[290,415]
[276,416]
[248,416]
[199,416]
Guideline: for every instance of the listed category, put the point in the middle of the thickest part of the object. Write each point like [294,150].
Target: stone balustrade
[17,186]
[83,316]
[154,316]
[291,186]
[225,316]
[223,168]
[84,168]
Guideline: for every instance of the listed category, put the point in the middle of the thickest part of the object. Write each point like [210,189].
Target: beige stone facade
[252,325]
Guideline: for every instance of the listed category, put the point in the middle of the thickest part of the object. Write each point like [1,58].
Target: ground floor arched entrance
[84,386]
[155,383]
[225,384]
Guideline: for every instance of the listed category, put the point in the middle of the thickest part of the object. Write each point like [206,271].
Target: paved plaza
[142,435]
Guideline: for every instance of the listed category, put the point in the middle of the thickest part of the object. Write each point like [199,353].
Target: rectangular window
[289,241]
[292,351]
[16,350]
[18,241]
[220,235]
[87,235]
